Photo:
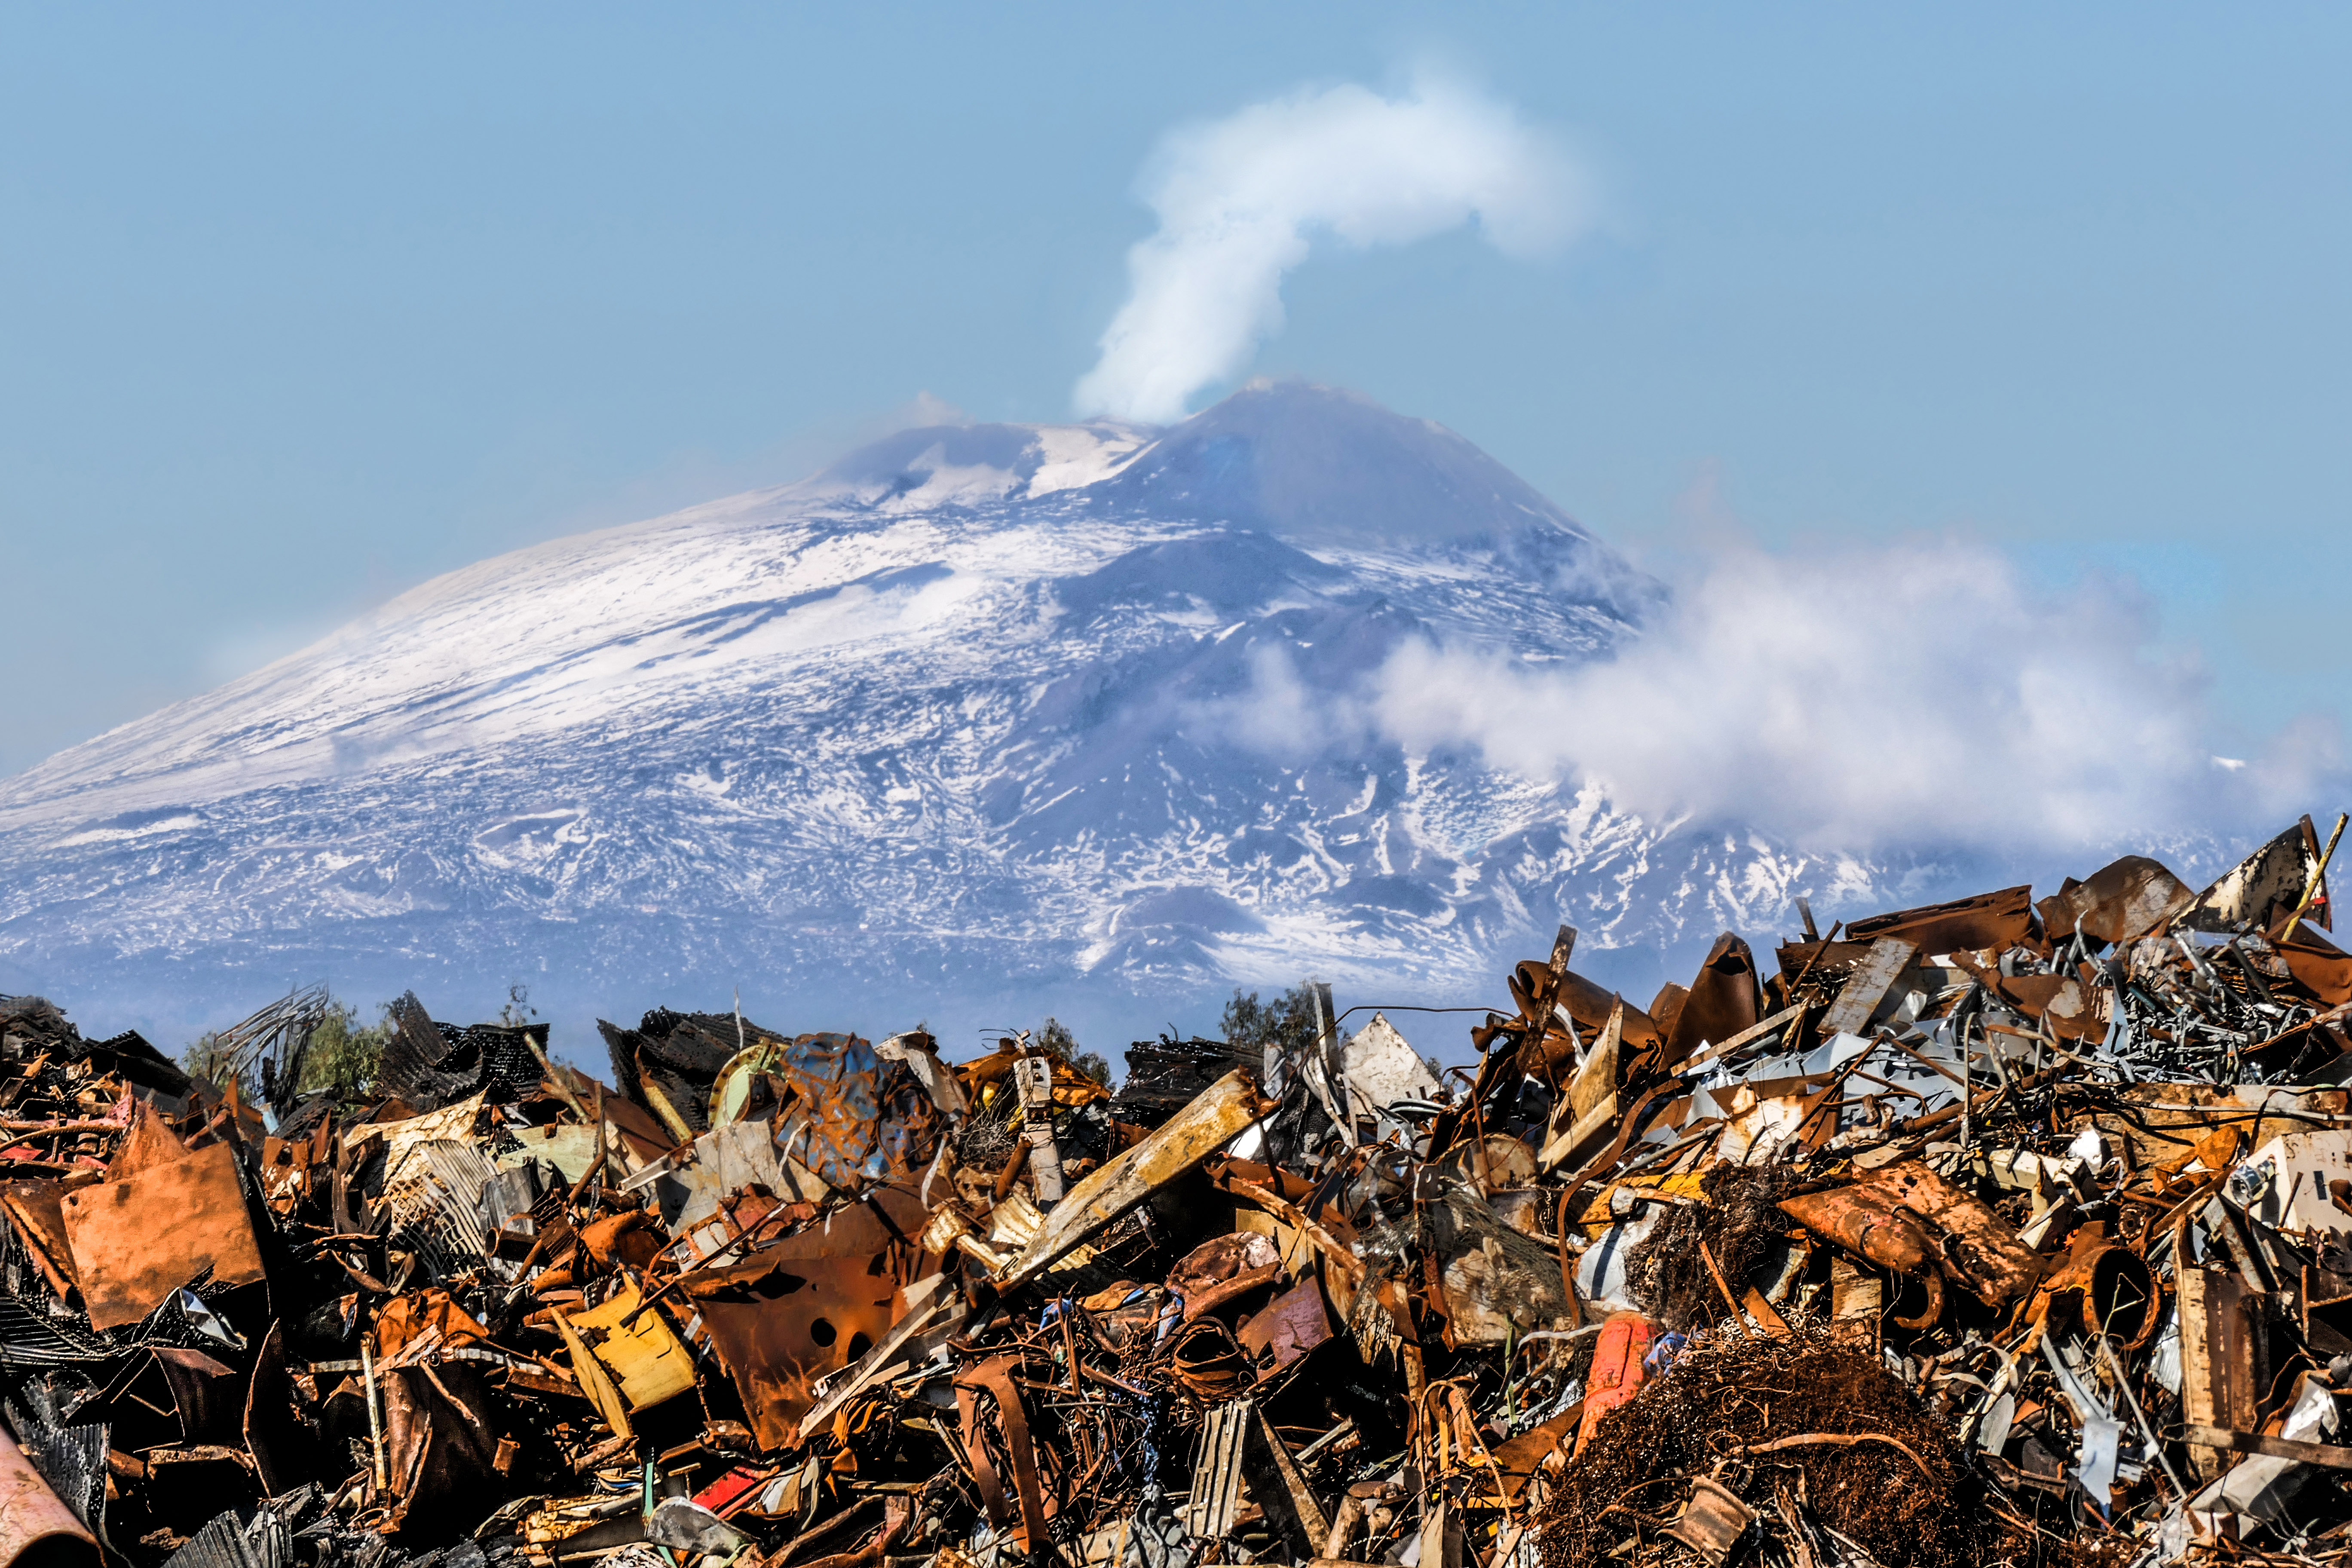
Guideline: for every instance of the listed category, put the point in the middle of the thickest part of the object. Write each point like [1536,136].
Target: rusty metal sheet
[931,1314]
[440,1437]
[148,1141]
[2222,1368]
[1222,1267]
[433,1309]
[284,1453]
[800,1311]
[2121,902]
[781,1325]
[853,1119]
[204,1394]
[1723,1000]
[1215,1117]
[137,1240]
[37,1211]
[1285,1328]
[1997,919]
[2318,966]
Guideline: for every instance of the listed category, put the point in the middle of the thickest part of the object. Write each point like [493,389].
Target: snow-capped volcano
[980,723]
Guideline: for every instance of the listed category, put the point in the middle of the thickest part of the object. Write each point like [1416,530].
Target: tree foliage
[205,1059]
[345,1054]
[1055,1038]
[1285,1024]
[517,1010]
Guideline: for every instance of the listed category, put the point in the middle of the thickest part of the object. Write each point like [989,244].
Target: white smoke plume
[1848,700]
[1240,201]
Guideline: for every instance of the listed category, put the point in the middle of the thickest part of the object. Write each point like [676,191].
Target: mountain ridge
[988,718]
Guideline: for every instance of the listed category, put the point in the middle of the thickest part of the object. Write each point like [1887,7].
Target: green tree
[205,1059]
[1055,1039]
[344,1054]
[518,1010]
[1288,1022]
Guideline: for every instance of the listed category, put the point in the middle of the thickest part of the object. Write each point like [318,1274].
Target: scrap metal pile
[2005,1230]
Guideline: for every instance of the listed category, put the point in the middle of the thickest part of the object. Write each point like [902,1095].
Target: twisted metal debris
[2003,1230]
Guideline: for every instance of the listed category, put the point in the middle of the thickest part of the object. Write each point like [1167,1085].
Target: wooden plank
[1867,986]
[1748,1037]
[1217,1471]
[2215,1390]
[2328,1454]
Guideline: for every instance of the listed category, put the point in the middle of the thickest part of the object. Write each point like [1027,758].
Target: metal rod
[375,1422]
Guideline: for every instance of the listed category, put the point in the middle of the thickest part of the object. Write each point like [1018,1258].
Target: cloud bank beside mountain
[1853,699]
[1241,200]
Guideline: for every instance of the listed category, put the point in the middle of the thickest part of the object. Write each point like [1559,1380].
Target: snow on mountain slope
[957,722]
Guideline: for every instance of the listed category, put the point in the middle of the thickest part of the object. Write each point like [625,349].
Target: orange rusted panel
[137,1240]
[1616,1369]
[800,1311]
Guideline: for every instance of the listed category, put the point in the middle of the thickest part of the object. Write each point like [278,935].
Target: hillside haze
[981,723]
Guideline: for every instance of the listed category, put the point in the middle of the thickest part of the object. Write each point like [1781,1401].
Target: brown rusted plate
[440,1437]
[37,1211]
[2319,967]
[285,1454]
[204,1394]
[2122,901]
[149,1143]
[1288,1327]
[404,1317]
[1723,1000]
[2000,921]
[1222,1267]
[137,1240]
[1516,1457]
[802,1309]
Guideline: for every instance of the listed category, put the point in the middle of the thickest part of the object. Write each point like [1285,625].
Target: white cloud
[1241,199]
[1850,699]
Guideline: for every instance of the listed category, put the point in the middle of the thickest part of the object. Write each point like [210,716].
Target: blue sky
[301,307]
